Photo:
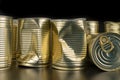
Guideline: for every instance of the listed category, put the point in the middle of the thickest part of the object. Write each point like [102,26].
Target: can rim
[106,22]
[93,21]
[34,18]
[90,53]
[68,19]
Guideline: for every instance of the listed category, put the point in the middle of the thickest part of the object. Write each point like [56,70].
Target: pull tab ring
[104,43]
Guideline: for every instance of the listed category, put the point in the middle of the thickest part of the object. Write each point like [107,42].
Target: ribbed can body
[33,42]
[5,42]
[92,29]
[113,27]
[69,43]
[104,51]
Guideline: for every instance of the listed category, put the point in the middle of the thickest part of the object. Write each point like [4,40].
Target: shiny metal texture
[92,29]
[105,51]
[33,46]
[69,43]
[14,38]
[5,41]
[112,27]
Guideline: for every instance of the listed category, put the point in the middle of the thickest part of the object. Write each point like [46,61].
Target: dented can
[69,43]
[5,41]
[14,38]
[104,51]
[112,27]
[34,42]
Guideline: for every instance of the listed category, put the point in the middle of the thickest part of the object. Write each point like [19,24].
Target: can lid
[105,51]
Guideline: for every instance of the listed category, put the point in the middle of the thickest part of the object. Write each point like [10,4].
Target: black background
[92,10]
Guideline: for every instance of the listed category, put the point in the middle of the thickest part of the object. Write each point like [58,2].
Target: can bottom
[67,68]
[32,65]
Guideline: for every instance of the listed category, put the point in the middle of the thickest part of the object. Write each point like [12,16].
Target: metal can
[112,27]
[34,42]
[14,38]
[5,41]
[69,43]
[92,29]
[104,51]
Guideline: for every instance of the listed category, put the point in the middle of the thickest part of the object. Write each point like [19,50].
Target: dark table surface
[90,72]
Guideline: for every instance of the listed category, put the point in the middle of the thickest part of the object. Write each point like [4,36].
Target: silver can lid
[105,51]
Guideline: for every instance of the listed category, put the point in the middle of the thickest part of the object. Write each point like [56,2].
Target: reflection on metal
[105,51]
[112,27]
[67,75]
[5,41]
[92,29]
[105,41]
[69,44]
[14,38]
[34,74]
[107,76]
[34,42]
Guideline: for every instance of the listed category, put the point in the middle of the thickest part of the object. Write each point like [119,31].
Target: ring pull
[106,44]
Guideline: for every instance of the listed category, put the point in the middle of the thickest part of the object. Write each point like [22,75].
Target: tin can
[14,38]
[69,43]
[104,51]
[5,41]
[92,29]
[34,42]
[112,27]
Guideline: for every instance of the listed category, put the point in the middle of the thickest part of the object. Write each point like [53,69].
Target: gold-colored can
[112,27]
[14,38]
[5,41]
[69,43]
[92,29]
[33,42]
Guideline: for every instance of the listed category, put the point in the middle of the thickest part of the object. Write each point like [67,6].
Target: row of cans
[38,42]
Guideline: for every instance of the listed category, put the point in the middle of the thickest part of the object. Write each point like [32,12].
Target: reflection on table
[89,73]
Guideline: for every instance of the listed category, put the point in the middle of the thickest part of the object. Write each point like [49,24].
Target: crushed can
[33,46]
[69,43]
[14,38]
